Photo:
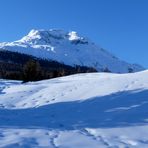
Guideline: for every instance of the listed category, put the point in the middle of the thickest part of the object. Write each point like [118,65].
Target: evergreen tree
[32,71]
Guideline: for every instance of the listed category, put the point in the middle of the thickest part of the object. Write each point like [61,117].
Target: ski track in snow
[98,110]
[104,138]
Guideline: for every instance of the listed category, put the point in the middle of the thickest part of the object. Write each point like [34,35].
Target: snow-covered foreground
[83,138]
[79,111]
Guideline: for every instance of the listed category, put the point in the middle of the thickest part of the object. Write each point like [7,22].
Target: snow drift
[83,110]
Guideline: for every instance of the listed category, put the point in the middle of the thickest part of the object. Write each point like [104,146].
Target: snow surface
[68,48]
[98,110]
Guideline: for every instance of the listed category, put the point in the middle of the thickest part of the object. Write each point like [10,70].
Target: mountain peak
[68,48]
[34,32]
[45,36]
[42,36]
[73,35]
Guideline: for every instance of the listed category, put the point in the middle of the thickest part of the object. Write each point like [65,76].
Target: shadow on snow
[115,110]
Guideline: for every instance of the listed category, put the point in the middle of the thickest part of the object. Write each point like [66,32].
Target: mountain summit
[68,48]
[47,37]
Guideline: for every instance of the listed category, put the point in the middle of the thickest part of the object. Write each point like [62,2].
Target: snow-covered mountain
[93,110]
[68,48]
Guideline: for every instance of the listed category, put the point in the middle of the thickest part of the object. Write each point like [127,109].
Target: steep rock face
[68,48]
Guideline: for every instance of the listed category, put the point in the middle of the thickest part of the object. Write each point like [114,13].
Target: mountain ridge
[68,48]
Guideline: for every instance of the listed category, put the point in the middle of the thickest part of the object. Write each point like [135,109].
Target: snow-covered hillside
[85,110]
[70,49]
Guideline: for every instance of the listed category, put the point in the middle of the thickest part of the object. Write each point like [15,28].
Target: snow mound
[77,87]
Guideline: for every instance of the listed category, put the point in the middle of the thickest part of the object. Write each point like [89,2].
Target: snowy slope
[68,48]
[70,88]
[99,110]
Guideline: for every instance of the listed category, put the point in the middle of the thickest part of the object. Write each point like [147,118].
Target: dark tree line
[28,68]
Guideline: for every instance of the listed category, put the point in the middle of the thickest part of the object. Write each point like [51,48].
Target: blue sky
[120,26]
